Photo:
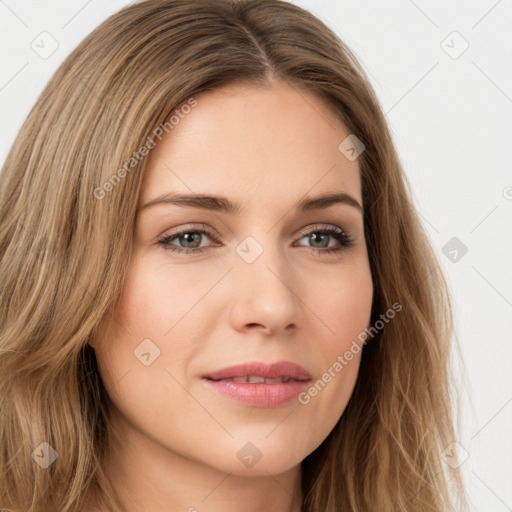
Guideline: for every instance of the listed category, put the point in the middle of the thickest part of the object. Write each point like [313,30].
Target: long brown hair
[67,213]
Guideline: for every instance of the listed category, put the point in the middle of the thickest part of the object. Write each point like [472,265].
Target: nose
[265,294]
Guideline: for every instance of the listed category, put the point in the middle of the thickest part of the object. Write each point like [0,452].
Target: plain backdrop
[443,73]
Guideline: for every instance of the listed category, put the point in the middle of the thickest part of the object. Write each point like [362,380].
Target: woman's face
[257,286]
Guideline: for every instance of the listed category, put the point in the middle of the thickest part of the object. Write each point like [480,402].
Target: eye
[319,238]
[189,240]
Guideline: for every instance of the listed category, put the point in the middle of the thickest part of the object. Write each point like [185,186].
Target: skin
[175,441]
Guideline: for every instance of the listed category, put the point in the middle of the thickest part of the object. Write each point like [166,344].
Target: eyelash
[335,232]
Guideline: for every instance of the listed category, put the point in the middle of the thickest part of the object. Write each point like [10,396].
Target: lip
[260,394]
[270,371]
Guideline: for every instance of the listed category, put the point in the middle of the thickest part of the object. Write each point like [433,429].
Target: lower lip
[259,395]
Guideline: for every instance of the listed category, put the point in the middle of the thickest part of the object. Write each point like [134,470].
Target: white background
[451,120]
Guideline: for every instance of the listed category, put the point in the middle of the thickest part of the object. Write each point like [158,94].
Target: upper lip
[269,371]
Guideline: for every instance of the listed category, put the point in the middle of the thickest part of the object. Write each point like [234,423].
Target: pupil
[316,236]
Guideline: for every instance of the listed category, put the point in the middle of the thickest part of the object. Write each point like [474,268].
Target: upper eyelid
[192,227]
[319,227]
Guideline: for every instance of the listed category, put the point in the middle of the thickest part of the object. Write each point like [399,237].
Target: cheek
[157,298]
[140,366]
[345,304]
[158,320]
[345,310]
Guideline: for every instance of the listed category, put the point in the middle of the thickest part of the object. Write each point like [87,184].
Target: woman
[215,291]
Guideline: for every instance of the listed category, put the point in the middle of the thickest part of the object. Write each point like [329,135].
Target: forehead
[255,143]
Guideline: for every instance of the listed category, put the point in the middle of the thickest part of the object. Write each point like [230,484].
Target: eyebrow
[223,204]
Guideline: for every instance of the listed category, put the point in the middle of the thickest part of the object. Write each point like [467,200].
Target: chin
[263,468]
[257,458]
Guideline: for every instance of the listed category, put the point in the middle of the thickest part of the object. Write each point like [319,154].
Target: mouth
[258,379]
[259,384]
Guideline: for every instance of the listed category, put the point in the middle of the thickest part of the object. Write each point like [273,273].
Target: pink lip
[260,394]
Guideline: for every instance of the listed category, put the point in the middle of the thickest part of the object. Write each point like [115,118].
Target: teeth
[277,380]
[254,379]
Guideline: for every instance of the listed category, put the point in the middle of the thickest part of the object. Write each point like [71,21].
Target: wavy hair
[63,257]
